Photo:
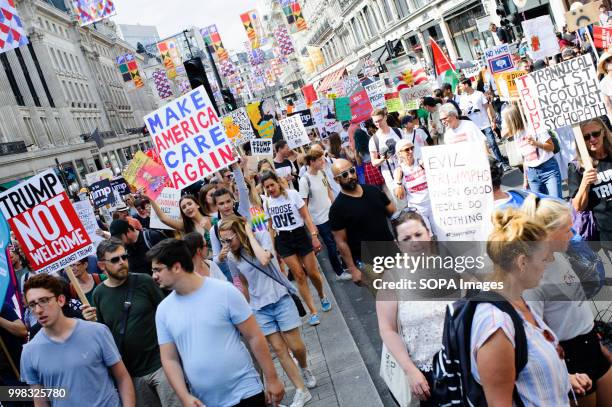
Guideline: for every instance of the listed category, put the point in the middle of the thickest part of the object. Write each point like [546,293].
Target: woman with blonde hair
[269,292]
[541,170]
[560,301]
[591,189]
[520,254]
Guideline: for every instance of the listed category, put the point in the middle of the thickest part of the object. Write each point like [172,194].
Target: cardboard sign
[92,177]
[86,214]
[343,109]
[376,93]
[101,193]
[499,58]
[602,37]
[168,202]
[294,132]
[459,183]
[361,108]
[261,147]
[393,102]
[582,15]
[238,127]
[306,117]
[45,223]
[120,185]
[506,85]
[541,38]
[144,173]
[561,95]
[190,138]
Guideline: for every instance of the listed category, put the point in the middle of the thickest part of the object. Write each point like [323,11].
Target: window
[74,93]
[45,124]
[30,131]
[61,128]
[402,8]
[371,20]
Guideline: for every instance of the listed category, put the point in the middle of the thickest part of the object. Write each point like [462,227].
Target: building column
[393,9]
[120,156]
[80,180]
[364,23]
[378,15]
[450,46]
[424,47]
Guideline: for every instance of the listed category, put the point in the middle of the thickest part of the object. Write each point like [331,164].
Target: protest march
[289,203]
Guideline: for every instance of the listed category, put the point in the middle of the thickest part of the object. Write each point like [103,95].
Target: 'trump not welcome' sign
[190,138]
[45,223]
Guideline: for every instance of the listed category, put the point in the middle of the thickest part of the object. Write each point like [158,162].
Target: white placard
[87,215]
[541,38]
[94,177]
[376,93]
[261,147]
[168,202]
[294,131]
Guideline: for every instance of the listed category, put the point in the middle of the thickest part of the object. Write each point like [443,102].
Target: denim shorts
[281,316]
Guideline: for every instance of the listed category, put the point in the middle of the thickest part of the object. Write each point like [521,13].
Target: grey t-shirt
[79,364]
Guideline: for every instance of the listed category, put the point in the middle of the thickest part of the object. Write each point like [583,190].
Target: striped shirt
[544,381]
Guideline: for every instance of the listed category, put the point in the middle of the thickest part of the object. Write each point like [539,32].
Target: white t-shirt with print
[475,103]
[415,184]
[532,155]
[466,131]
[417,137]
[284,211]
[317,194]
[389,165]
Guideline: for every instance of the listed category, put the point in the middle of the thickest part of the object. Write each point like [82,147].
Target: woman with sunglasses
[560,301]
[591,189]
[410,180]
[86,280]
[288,218]
[269,294]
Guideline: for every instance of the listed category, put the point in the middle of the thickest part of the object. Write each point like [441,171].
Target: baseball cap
[119,227]
[402,144]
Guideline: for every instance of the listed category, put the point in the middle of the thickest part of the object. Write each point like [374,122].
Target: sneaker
[345,276]
[325,304]
[301,397]
[309,380]
[314,320]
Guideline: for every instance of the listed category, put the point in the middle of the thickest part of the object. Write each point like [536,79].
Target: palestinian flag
[446,71]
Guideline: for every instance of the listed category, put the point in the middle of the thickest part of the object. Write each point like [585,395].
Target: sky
[172,16]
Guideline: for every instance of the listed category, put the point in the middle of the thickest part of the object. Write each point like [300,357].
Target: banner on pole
[238,127]
[190,138]
[393,102]
[343,108]
[168,201]
[91,11]
[45,223]
[306,117]
[261,147]
[120,185]
[294,131]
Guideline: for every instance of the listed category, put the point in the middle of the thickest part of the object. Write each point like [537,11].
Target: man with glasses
[72,354]
[360,213]
[126,303]
[457,130]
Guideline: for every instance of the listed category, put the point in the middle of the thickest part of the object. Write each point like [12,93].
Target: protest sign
[294,132]
[45,223]
[415,93]
[541,39]
[499,58]
[86,214]
[506,86]
[343,108]
[310,94]
[120,185]
[352,85]
[190,138]
[459,184]
[306,117]
[168,202]
[376,93]
[96,176]
[393,102]
[317,115]
[5,264]
[483,24]
[581,15]
[238,127]
[144,173]
[602,37]
[262,122]
[261,147]
[102,193]
[361,108]
[471,72]
[561,95]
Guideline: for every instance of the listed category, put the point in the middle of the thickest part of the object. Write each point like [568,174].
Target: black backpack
[453,383]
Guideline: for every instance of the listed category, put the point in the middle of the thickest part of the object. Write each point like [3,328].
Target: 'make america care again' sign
[190,138]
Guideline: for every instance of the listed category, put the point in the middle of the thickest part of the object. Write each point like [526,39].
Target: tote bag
[394,376]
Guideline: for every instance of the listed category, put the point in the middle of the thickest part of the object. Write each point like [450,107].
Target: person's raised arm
[174,372]
[244,204]
[124,383]
[495,361]
[165,219]
[261,254]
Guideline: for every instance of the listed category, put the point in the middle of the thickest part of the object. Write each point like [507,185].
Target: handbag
[583,221]
[394,376]
[298,302]
[515,158]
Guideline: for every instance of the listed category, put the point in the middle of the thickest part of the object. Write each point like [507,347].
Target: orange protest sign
[506,86]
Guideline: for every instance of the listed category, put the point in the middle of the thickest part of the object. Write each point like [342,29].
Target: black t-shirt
[288,163]
[13,343]
[600,195]
[364,218]
[145,222]
[137,251]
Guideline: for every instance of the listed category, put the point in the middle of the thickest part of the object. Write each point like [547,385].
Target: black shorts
[296,241]
[583,355]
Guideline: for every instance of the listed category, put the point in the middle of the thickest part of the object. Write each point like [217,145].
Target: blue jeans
[490,134]
[545,178]
[327,239]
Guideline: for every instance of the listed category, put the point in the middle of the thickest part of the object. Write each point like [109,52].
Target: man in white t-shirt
[475,105]
[458,131]
[382,150]
[316,192]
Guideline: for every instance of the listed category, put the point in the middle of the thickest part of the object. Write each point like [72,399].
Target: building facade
[60,88]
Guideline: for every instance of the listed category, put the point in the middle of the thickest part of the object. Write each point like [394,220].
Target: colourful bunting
[283,40]
[250,21]
[162,84]
[90,11]
[12,33]
[212,38]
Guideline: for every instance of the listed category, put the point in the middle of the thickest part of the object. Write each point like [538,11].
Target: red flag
[441,61]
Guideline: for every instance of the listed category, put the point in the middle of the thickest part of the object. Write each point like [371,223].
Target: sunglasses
[594,134]
[407,149]
[345,174]
[115,260]
[227,241]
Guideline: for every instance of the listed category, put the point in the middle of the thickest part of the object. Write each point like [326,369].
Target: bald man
[360,213]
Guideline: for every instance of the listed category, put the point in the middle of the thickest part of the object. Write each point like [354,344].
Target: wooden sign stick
[77,286]
[588,33]
[587,163]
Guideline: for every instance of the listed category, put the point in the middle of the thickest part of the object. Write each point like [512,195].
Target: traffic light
[197,77]
[229,100]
